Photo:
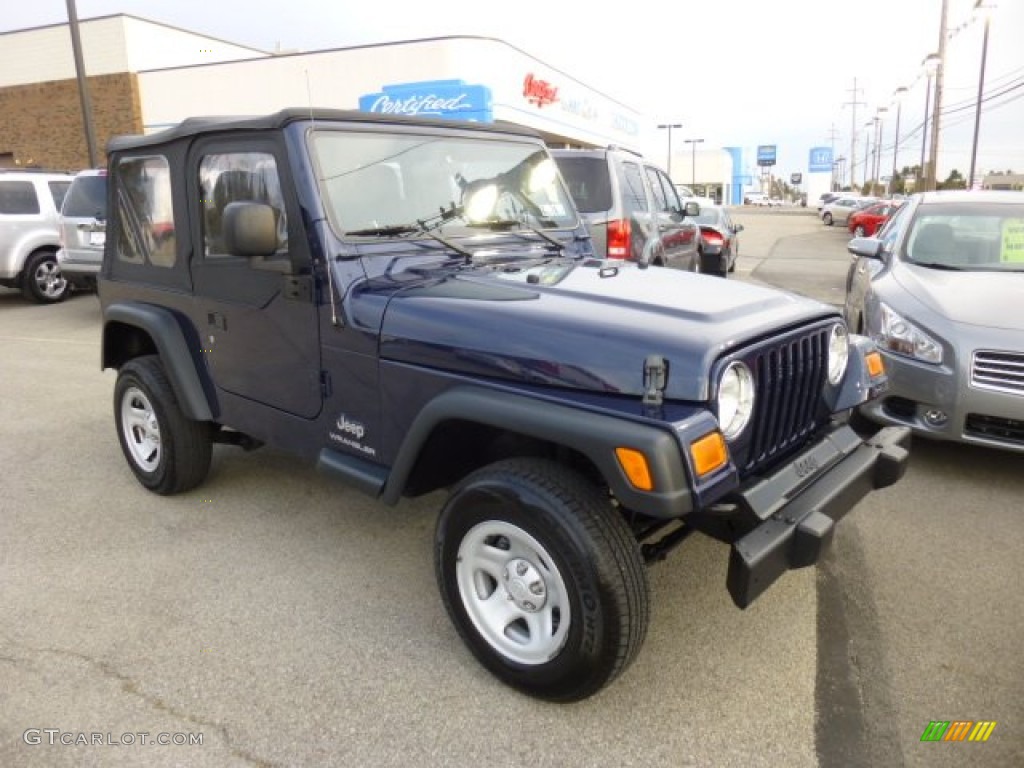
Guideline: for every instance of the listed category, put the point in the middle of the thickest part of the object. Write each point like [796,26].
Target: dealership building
[144,76]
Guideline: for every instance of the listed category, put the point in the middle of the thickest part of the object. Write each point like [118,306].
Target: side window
[234,178]
[18,198]
[671,195]
[660,200]
[634,199]
[145,234]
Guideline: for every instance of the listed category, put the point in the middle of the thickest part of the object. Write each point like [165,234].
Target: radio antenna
[323,239]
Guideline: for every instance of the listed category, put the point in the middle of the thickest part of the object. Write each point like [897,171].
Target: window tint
[634,199]
[87,198]
[146,220]
[234,178]
[588,182]
[58,191]
[18,198]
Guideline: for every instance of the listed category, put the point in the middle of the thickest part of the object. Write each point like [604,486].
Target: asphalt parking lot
[292,621]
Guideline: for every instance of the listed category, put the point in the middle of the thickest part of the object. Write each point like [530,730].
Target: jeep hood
[587,325]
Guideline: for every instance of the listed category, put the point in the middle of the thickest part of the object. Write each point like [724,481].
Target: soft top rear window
[588,182]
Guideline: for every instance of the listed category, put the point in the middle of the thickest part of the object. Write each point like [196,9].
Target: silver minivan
[83,229]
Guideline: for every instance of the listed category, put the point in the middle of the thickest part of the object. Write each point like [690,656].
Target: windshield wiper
[419,228]
[937,265]
[506,224]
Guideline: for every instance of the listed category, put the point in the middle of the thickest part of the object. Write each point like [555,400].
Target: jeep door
[256,316]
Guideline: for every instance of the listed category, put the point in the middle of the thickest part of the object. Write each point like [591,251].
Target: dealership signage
[796,178]
[539,92]
[820,160]
[766,154]
[453,99]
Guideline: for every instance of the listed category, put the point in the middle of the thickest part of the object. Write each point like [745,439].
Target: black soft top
[194,126]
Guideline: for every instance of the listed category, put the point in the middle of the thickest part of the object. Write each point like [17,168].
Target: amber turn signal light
[708,453]
[634,464]
[875,365]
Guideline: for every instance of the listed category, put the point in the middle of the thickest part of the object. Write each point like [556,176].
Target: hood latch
[655,379]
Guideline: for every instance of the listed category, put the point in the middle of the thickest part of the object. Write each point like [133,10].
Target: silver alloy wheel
[49,280]
[513,592]
[141,429]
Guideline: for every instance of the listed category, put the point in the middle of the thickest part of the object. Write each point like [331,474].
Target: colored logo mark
[958,730]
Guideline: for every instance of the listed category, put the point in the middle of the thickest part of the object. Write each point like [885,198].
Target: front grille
[1003,371]
[995,428]
[789,377]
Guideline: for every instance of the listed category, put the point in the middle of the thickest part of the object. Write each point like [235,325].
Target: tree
[955,180]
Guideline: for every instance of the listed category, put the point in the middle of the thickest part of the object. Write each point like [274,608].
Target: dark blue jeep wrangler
[414,305]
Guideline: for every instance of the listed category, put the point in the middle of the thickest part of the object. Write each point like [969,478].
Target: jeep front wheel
[168,452]
[542,578]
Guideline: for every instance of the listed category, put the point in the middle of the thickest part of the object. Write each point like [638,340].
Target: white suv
[30,204]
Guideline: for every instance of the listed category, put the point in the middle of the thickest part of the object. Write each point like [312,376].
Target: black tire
[827,218]
[564,537]
[41,280]
[178,459]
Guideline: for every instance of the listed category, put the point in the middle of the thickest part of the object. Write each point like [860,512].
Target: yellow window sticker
[1013,241]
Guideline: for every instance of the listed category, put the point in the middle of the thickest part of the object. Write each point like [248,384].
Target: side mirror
[737,227]
[868,247]
[691,208]
[249,229]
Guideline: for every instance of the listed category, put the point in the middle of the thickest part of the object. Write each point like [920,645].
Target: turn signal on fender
[634,464]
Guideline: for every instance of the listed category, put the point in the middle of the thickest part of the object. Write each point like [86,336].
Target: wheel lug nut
[536,587]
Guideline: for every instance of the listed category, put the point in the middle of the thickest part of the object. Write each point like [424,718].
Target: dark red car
[865,223]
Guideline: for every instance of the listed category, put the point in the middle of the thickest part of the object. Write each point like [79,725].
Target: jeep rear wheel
[168,452]
[41,280]
[542,578]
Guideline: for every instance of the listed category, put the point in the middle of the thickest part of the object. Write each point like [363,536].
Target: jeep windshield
[372,182]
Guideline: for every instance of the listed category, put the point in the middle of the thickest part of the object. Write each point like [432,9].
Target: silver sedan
[940,289]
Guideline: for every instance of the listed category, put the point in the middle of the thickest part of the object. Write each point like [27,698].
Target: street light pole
[693,161]
[880,119]
[669,126]
[985,8]
[897,95]
[931,61]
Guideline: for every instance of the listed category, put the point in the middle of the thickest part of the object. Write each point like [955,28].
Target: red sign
[539,92]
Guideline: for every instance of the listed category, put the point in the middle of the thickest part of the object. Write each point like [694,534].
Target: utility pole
[854,92]
[832,135]
[937,108]
[83,87]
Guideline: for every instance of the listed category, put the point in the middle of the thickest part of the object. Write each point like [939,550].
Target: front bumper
[799,504]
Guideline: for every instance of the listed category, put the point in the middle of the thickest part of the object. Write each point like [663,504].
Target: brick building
[40,110]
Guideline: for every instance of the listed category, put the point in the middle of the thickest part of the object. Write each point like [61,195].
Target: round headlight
[838,353]
[735,399]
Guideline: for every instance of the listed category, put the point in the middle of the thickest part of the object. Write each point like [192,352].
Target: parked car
[720,242]
[828,197]
[940,292]
[840,209]
[867,221]
[414,305]
[631,207]
[83,228]
[30,202]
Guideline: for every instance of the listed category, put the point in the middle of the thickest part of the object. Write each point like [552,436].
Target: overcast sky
[733,72]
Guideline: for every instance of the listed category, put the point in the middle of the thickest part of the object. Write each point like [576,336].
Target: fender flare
[592,434]
[178,356]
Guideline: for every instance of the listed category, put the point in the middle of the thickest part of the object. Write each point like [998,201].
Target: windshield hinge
[655,379]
